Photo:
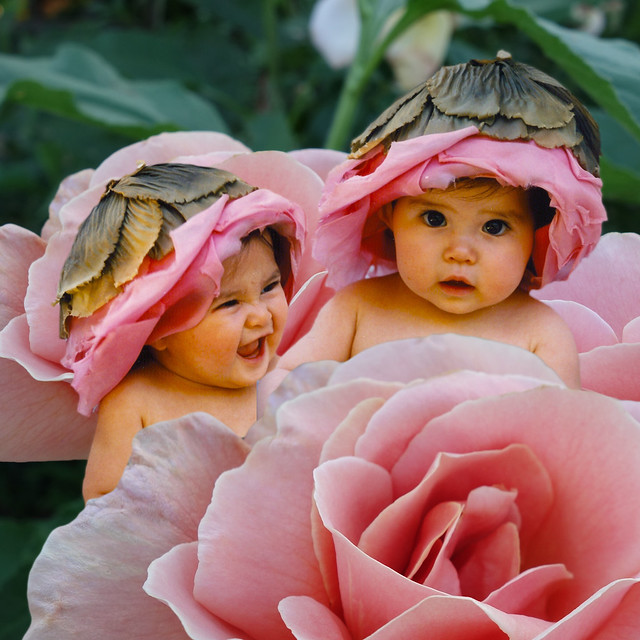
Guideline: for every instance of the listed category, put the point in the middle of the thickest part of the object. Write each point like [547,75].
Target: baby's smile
[253,349]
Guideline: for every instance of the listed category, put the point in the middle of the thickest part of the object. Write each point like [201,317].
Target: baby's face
[465,248]
[233,344]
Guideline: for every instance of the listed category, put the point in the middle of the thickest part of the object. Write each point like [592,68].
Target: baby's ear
[385,213]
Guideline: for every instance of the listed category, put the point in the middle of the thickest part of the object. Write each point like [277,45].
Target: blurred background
[80,79]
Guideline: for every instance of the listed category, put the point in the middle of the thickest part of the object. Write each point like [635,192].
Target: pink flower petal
[631,332]
[171,581]
[610,614]
[164,148]
[614,371]
[69,188]
[529,592]
[18,249]
[449,618]
[320,160]
[247,556]
[281,173]
[39,419]
[443,353]
[493,560]
[304,308]
[588,328]
[93,569]
[309,620]
[607,281]
[404,416]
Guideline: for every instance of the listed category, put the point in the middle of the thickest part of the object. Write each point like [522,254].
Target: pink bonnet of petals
[43,424]
[173,294]
[350,239]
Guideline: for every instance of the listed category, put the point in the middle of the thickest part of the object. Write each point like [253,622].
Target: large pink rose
[40,420]
[601,303]
[447,487]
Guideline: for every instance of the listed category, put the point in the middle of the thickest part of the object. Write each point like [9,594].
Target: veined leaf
[79,84]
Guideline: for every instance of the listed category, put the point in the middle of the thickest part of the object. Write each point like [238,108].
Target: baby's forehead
[488,195]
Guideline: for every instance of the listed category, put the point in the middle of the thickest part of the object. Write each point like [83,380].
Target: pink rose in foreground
[447,487]
[40,420]
[601,303]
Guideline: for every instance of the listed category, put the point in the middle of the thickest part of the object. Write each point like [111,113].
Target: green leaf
[79,84]
[607,70]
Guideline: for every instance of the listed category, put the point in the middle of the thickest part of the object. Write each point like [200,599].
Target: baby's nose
[258,315]
[460,248]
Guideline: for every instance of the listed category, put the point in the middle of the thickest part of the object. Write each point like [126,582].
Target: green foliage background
[80,79]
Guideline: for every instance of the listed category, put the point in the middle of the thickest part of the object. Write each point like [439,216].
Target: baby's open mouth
[252,349]
[457,284]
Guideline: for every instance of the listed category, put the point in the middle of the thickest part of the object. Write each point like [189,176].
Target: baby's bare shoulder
[373,289]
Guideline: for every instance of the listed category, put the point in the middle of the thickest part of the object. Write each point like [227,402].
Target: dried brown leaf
[133,220]
[505,99]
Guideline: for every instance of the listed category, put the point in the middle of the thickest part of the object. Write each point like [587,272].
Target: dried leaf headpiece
[133,220]
[504,99]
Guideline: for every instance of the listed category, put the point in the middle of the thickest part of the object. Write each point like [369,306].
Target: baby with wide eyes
[461,254]
[474,188]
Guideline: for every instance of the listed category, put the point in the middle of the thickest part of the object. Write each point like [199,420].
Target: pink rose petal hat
[174,293]
[462,123]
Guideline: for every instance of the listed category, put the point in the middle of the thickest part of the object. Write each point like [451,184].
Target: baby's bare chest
[384,324]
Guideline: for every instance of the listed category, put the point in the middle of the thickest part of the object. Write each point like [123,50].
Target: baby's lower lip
[456,287]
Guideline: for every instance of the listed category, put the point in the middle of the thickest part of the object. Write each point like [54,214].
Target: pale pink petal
[372,594]
[164,147]
[607,281]
[614,371]
[39,419]
[170,579]
[320,160]
[588,328]
[93,569]
[304,308]
[404,416]
[632,407]
[631,331]
[281,173]
[69,188]
[443,353]
[610,614]
[309,620]
[18,249]
[493,560]
[14,345]
[335,30]
[449,618]
[529,591]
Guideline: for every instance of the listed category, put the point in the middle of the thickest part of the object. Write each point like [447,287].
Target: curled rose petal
[600,301]
[94,567]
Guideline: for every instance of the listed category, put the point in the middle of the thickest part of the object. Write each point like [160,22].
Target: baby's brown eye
[227,304]
[495,227]
[434,218]
[271,286]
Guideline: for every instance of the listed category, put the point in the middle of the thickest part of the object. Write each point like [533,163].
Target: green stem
[345,112]
[270,23]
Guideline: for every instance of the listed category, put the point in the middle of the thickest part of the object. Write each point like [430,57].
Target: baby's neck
[172,396]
